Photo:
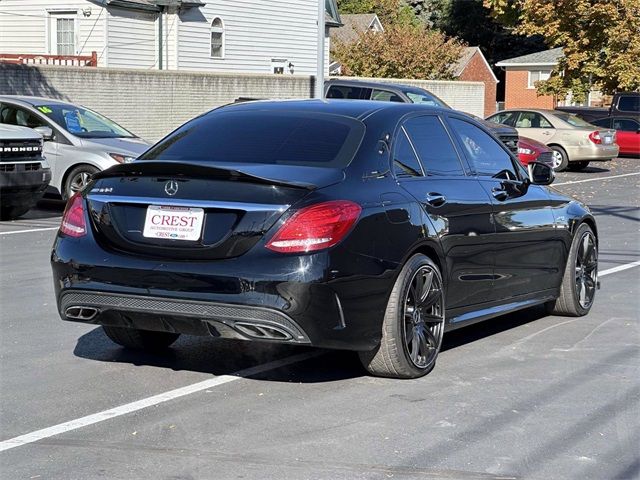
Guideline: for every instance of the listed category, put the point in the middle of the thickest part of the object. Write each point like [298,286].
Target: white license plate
[173,223]
[608,140]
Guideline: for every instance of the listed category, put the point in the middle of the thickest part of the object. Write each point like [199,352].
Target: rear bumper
[593,153]
[312,299]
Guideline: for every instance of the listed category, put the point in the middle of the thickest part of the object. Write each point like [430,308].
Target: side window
[405,161]
[385,96]
[532,120]
[485,153]
[506,118]
[603,122]
[629,104]
[343,91]
[433,145]
[626,124]
[18,116]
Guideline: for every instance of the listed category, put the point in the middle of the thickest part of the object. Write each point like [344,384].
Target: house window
[63,34]
[538,76]
[217,38]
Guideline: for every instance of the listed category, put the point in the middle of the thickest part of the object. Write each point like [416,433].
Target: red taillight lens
[595,137]
[73,223]
[316,227]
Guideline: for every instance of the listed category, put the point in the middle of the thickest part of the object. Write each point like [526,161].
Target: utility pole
[319,90]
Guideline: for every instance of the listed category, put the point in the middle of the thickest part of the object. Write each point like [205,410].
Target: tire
[77,179]
[577,166]
[140,339]
[412,355]
[11,213]
[560,160]
[581,271]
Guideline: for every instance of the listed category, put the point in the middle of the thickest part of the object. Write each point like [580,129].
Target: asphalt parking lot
[521,396]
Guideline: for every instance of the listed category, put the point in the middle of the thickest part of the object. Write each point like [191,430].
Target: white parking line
[151,401]
[596,179]
[619,268]
[30,230]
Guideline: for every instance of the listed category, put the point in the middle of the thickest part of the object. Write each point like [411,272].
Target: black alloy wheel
[423,317]
[580,280]
[413,324]
[586,270]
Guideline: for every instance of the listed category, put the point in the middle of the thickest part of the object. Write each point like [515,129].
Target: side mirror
[46,132]
[541,173]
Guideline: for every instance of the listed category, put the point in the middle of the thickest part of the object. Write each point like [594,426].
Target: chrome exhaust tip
[84,314]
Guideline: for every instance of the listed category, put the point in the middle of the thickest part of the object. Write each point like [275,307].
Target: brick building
[522,73]
[473,67]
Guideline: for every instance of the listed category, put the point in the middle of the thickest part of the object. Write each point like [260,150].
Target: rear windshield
[571,119]
[265,137]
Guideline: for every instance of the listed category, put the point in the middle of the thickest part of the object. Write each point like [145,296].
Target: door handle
[499,194]
[435,199]
[546,132]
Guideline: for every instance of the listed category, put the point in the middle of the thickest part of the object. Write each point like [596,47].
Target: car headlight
[525,151]
[121,158]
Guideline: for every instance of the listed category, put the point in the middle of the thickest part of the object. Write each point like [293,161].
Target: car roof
[357,109]
[33,101]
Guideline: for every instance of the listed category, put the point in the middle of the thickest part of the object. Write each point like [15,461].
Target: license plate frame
[168,222]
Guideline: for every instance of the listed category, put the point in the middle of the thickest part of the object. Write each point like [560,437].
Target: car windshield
[82,122]
[572,119]
[423,98]
[264,137]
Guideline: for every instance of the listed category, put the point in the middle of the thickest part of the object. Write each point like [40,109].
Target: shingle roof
[352,25]
[546,57]
[465,58]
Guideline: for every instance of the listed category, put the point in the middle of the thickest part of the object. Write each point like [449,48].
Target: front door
[428,165]
[527,247]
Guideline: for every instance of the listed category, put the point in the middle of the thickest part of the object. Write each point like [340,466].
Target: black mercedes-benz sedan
[367,226]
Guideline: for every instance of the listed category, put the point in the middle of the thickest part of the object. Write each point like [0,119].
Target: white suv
[24,172]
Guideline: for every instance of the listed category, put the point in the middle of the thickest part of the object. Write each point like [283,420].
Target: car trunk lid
[195,210]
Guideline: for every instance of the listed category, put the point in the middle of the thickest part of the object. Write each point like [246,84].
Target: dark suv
[397,92]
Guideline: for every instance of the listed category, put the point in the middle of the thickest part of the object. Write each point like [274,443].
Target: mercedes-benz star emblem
[171,188]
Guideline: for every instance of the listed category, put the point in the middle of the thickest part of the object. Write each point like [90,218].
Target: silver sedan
[78,142]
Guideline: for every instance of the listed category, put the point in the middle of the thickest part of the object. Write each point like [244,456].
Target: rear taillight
[595,137]
[316,227]
[73,223]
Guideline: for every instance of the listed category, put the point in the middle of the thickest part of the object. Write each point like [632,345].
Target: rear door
[535,125]
[427,164]
[529,253]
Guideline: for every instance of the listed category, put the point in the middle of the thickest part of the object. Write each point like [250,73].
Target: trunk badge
[171,188]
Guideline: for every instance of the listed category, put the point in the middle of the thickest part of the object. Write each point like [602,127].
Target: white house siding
[255,32]
[132,39]
[24,26]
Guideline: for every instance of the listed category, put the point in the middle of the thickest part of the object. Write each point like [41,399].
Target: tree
[401,51]
[600,41]
[388,11]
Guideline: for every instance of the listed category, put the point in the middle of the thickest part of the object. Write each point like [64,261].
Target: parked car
[24,172]
[623,104]
[367,226]
[530,150]
[574,142]
[78,142]
[397,92]
[627,133]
